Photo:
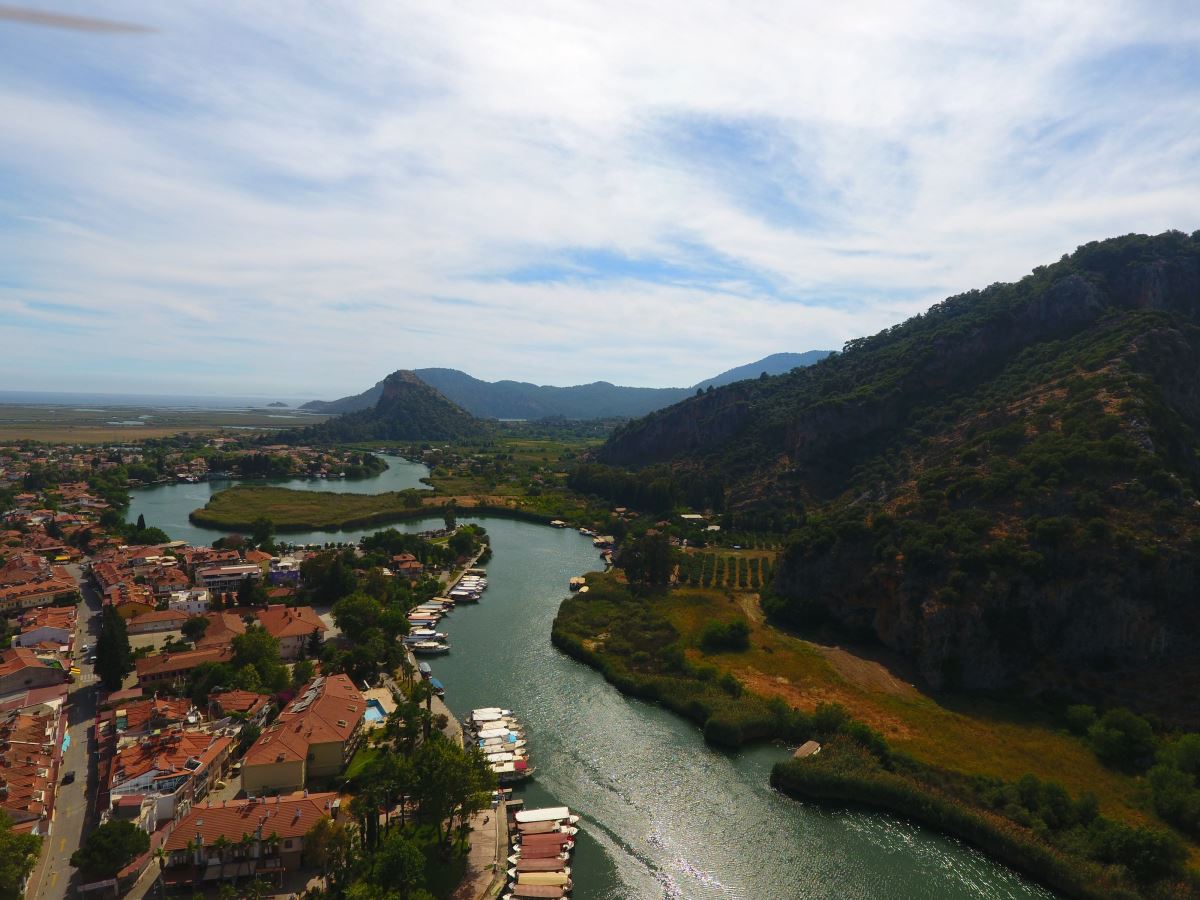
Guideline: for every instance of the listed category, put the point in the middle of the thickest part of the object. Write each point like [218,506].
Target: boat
[576,582]
[539,853]
[489,714]
[545,814]
[429,648]
[425,634]
[510,773]
[541,827]
[423,668]
[553,838]
[498,732]
[554,866]
[561,879]
[535,892]
[540,865]
[438,688]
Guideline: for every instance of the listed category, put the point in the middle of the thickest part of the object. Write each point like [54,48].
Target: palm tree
[220,845]
[161,855]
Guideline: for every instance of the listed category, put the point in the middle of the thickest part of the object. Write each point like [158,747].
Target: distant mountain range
[598,400]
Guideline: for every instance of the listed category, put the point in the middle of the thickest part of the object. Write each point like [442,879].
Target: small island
[278,404]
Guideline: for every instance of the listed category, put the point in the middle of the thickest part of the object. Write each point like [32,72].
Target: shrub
[733,636]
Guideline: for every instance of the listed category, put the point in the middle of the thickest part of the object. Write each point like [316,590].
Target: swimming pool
[374,712]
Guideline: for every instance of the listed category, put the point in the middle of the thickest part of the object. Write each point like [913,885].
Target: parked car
[68,777]
[92,659]
[85,648]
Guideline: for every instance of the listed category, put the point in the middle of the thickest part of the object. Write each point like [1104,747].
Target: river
[665,816]
[167,506]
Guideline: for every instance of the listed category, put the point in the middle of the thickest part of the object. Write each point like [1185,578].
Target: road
[54,877]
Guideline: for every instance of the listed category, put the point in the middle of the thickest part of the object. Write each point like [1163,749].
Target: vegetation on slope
[682,648]
[1003,488]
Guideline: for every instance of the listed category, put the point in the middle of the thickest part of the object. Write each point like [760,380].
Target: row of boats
[501,739]
[540,864]
[423,638]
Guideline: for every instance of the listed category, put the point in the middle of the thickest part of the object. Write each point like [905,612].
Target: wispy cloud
[558,192]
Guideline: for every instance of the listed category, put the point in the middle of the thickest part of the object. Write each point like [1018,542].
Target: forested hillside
[407,410]
[1004,487]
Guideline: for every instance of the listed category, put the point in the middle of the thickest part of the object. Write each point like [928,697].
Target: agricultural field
[104,425]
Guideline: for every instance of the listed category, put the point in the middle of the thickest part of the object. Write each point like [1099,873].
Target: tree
[302,672]
[315,644]
[331,846]
[141,522]
[398,864]
[18,856]
[194,628]
[1122,739]
[262,533]
[251,592]
[648,560]
[449,517]
[114,657]
[356,615]
[247,736]
[110,848]
[257,649]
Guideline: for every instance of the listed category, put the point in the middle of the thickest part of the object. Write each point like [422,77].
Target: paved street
[55,877]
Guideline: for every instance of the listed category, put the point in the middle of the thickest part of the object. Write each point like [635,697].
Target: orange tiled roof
[327,709]
[290,816]
[185,661]
[290,621]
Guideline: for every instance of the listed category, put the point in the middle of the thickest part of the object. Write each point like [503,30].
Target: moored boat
[429,648]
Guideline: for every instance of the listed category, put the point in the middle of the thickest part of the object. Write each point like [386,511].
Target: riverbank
[648,647]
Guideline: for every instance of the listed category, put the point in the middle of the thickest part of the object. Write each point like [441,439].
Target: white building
[194,602]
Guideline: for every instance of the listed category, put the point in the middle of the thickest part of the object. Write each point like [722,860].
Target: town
[173,716]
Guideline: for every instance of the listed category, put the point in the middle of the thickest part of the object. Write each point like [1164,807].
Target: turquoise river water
[665,816]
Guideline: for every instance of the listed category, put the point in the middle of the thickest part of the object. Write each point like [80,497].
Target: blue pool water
[374,711]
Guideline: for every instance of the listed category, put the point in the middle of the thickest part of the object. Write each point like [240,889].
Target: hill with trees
[406,409]
[1003,488]
[598,400]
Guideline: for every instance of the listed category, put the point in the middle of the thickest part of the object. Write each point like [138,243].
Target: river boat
[498,732]
[513,772]
[545,814]
[510,741]
[545,827]
[538,853]
[515,872]
[561,879]
[540,865]
[556,838]
[424,669]
[437,687]
[430,648]
[489,714]
[462,596]
[425,634]
[535,892]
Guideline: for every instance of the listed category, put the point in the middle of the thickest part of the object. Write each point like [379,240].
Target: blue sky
[259,198]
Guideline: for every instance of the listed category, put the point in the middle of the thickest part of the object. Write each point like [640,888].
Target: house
[22,670]
[174,769]
[37,592]
[261,837]
[284,571]
[30,756]
[293,627]
[172,668]
[314,737]
[193,601]
[223,627]
[245,704]
[143,716]
[49,626]
[167,580]
[223,579]
[407,565]
[157,620]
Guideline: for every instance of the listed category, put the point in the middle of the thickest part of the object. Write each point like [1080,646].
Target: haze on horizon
[258,199]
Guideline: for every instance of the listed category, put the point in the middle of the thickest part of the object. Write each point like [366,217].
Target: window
[287,845]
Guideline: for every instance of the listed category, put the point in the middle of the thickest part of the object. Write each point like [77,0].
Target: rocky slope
[1003,488]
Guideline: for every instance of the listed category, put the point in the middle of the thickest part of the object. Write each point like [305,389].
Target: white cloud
[285,195]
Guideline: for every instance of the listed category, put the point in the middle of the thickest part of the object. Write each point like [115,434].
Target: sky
[298,198]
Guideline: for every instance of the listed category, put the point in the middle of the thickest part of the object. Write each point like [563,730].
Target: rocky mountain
[405,409]
[598,400]
[1004,488]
